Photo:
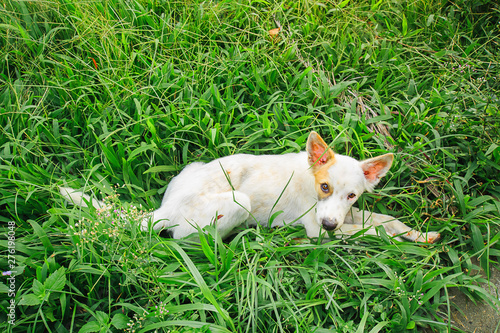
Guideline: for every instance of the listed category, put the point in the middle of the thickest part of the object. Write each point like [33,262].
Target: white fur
[246,189]
[79,198]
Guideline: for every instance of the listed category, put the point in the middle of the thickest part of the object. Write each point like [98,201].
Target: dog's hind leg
[360,219]
[233,209]
[226,210]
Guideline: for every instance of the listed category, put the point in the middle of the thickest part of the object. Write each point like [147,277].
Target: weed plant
[117,96]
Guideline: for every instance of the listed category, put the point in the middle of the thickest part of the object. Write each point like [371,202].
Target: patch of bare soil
[476,317]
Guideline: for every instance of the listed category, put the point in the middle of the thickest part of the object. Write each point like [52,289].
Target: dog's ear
[318,152]
[376,168]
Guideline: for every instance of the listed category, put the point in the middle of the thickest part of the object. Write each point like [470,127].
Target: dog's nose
[329,224]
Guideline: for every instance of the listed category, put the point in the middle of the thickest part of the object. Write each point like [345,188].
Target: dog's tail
[79,198]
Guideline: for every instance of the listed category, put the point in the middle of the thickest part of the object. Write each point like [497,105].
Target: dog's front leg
[313,229]
[359,219]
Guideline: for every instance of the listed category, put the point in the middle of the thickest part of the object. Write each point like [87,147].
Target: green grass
[118,96]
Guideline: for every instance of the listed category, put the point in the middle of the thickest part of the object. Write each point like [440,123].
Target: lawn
[116,96]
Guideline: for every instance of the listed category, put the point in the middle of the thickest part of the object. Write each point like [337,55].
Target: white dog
[316,188]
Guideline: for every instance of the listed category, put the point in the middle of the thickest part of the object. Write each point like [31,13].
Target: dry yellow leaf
[274,32]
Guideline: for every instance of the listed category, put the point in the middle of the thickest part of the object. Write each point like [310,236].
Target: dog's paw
[433,237]
[418,237]
[429,238]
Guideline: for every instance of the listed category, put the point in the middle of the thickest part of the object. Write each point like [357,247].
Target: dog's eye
[325,188]
[351,196]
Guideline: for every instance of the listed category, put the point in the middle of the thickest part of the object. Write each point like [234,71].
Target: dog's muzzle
[329,224]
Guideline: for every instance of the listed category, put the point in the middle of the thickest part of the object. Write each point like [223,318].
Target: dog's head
[340,180]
